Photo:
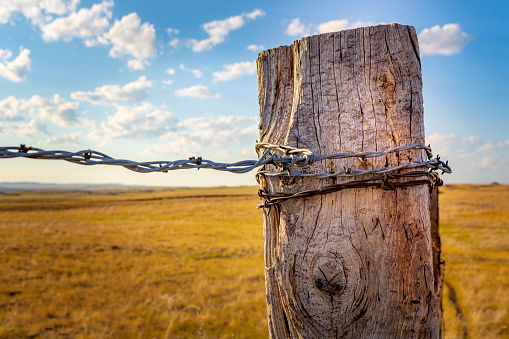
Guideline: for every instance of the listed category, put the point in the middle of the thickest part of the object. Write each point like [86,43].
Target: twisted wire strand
[385,182]
[349,172]
[294,156]
[308,156]
[89,157]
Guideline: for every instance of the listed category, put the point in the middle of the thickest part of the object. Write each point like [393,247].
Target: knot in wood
[329,275]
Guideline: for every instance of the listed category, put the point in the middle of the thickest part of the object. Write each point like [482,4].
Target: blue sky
[166,80]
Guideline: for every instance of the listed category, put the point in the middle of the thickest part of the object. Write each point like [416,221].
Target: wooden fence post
[438,268]
[356,263]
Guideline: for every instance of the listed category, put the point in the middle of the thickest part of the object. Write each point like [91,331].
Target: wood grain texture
[438,268]
[356,263]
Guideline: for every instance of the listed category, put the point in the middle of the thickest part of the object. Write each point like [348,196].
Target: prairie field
[188,263]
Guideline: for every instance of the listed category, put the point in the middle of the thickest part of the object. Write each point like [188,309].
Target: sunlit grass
[474,223]
[188,263]
[162,264]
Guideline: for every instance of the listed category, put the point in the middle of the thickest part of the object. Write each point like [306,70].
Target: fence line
[299,157]
[292,157]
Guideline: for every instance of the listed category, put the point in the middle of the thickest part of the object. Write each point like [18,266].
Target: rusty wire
[386,182]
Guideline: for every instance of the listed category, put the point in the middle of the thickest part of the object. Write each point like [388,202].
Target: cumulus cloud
[170,71]
[297,28]
[194,134]
[234,71]
[198,91]
[339,25]
[11,109]
[16,69]
[218,30]
[446,40]
[255,48]
[35,11]
[132,38]
[255,14]
[196,72]
[86,23]
[143,121]
[174,43]
[27,130]
[67,139]
[55,109]
[134,91]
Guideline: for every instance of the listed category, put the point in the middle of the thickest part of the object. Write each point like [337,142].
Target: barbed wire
[385,182]
[309,157]
[291,158]
[89,157]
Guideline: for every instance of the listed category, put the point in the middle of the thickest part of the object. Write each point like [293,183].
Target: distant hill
[35,186]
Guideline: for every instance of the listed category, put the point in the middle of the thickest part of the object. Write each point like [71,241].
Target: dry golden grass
[189,263]
[128,264]
[474,226]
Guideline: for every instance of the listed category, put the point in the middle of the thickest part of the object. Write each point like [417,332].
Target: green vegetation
[188,263]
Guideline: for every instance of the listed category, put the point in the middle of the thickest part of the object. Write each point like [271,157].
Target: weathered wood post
[438,268]
[356,263]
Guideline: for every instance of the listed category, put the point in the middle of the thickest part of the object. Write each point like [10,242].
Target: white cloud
[472,138]
[470,153]
[39,110]
[339,25]
[446,40]
[218,30]
[174,43]
[85,23]
[438,138]
[132,38]
[37,11]
[198,91]
[194,134]
[196,72]
[234,71]
[172,31]
[170,71]
[67,139]
[255,48]
[16,69]
[167,82]
[27,130]
[502,144]
[487,146]
[333,26]
[297,28]
[137,64]
[55,109]
[11,109]
[113,94]
[143,121]
[255,14]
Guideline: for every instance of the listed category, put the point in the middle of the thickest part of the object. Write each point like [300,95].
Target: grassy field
[132,264]
[188,263]
[474,226]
